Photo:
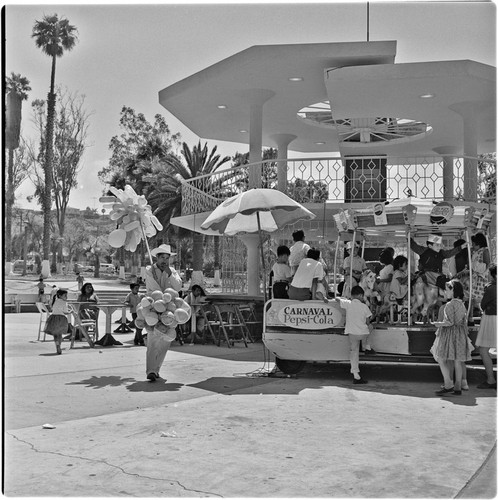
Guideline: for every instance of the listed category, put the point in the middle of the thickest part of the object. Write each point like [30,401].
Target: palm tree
[53,36]
[17,88]
[166,195]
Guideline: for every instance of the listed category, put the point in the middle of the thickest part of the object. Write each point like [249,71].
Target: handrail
[350,179]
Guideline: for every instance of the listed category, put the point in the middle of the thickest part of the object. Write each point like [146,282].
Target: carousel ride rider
[430,264]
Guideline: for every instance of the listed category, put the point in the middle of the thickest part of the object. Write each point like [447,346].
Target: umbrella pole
[262,255]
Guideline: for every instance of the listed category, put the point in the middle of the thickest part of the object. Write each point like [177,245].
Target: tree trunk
[48,171]
[10,202]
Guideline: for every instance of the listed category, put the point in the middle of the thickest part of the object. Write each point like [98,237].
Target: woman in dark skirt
[57,322]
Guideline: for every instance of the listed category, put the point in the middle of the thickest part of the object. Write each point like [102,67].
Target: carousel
[313,331]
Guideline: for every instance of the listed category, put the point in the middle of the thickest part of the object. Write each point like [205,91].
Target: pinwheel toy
[133,217]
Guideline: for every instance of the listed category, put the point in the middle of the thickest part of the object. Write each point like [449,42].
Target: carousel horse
[372,296]
[425,301]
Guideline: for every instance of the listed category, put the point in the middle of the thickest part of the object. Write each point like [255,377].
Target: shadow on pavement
[104,381]
[132,384]
[389,380]
[157,386]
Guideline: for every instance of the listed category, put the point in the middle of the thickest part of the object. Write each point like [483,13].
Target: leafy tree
[140,141]
[269,179]
[17,88]
[53,36]
[486,167]
[70,142]
[308,191]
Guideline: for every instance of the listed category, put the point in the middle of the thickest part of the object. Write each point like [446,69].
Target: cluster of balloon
[162,312]
[132,215]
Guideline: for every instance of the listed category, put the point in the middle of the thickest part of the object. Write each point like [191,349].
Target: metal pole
[469,253]
[262,256]
[337,243]
[409,279]
[368,21]
[351,259]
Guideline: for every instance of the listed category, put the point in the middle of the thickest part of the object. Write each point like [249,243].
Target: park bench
[15,302]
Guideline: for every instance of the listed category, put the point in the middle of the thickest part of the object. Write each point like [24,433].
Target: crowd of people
[299,273]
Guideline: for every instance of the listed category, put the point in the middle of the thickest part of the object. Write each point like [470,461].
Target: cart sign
[380,217]
[441,213]
[310,316]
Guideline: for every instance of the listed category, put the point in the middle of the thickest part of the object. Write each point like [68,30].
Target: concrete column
[256,98]
[448,174]
[469,111]
[282,141]
[251,241]
[45,270]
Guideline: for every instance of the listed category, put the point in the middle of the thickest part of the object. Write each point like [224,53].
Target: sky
[127,53]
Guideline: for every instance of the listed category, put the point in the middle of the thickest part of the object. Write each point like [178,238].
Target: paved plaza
[214,428]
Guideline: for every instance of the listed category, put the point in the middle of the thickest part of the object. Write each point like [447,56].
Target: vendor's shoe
[360,381]
[443,391]
[457,393]
[152,377]
[486,385]
[465,385]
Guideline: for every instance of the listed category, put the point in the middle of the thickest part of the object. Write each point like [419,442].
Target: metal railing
[350,179]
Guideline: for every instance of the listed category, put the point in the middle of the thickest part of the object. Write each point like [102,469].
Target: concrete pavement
[216,428]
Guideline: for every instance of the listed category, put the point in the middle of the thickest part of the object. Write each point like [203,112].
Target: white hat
[349,244]
[434,238]
[162,249]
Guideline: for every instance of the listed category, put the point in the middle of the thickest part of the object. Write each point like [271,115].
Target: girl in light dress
[452,346]
[57,322]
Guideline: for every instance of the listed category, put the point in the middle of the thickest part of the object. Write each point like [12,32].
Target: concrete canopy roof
[394,90]
[194,100]
[359,79]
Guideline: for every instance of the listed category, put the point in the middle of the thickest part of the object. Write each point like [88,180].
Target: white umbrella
[254,211]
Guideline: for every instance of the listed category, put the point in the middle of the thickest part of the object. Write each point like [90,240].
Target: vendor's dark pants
[299,293]
[280,290]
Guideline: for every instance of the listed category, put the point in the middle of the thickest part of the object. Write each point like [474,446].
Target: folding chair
[88,327]
[230,323]
[248,313]
[44,313]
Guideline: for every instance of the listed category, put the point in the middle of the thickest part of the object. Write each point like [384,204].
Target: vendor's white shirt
[298,252]
[308,270]
[155,279]
[357,314]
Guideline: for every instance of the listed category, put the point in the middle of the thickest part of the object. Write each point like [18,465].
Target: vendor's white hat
[162,249]
[350,244]
[434,238]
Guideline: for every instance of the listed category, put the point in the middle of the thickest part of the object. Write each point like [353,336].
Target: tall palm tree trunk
[48,167]
[10,202]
